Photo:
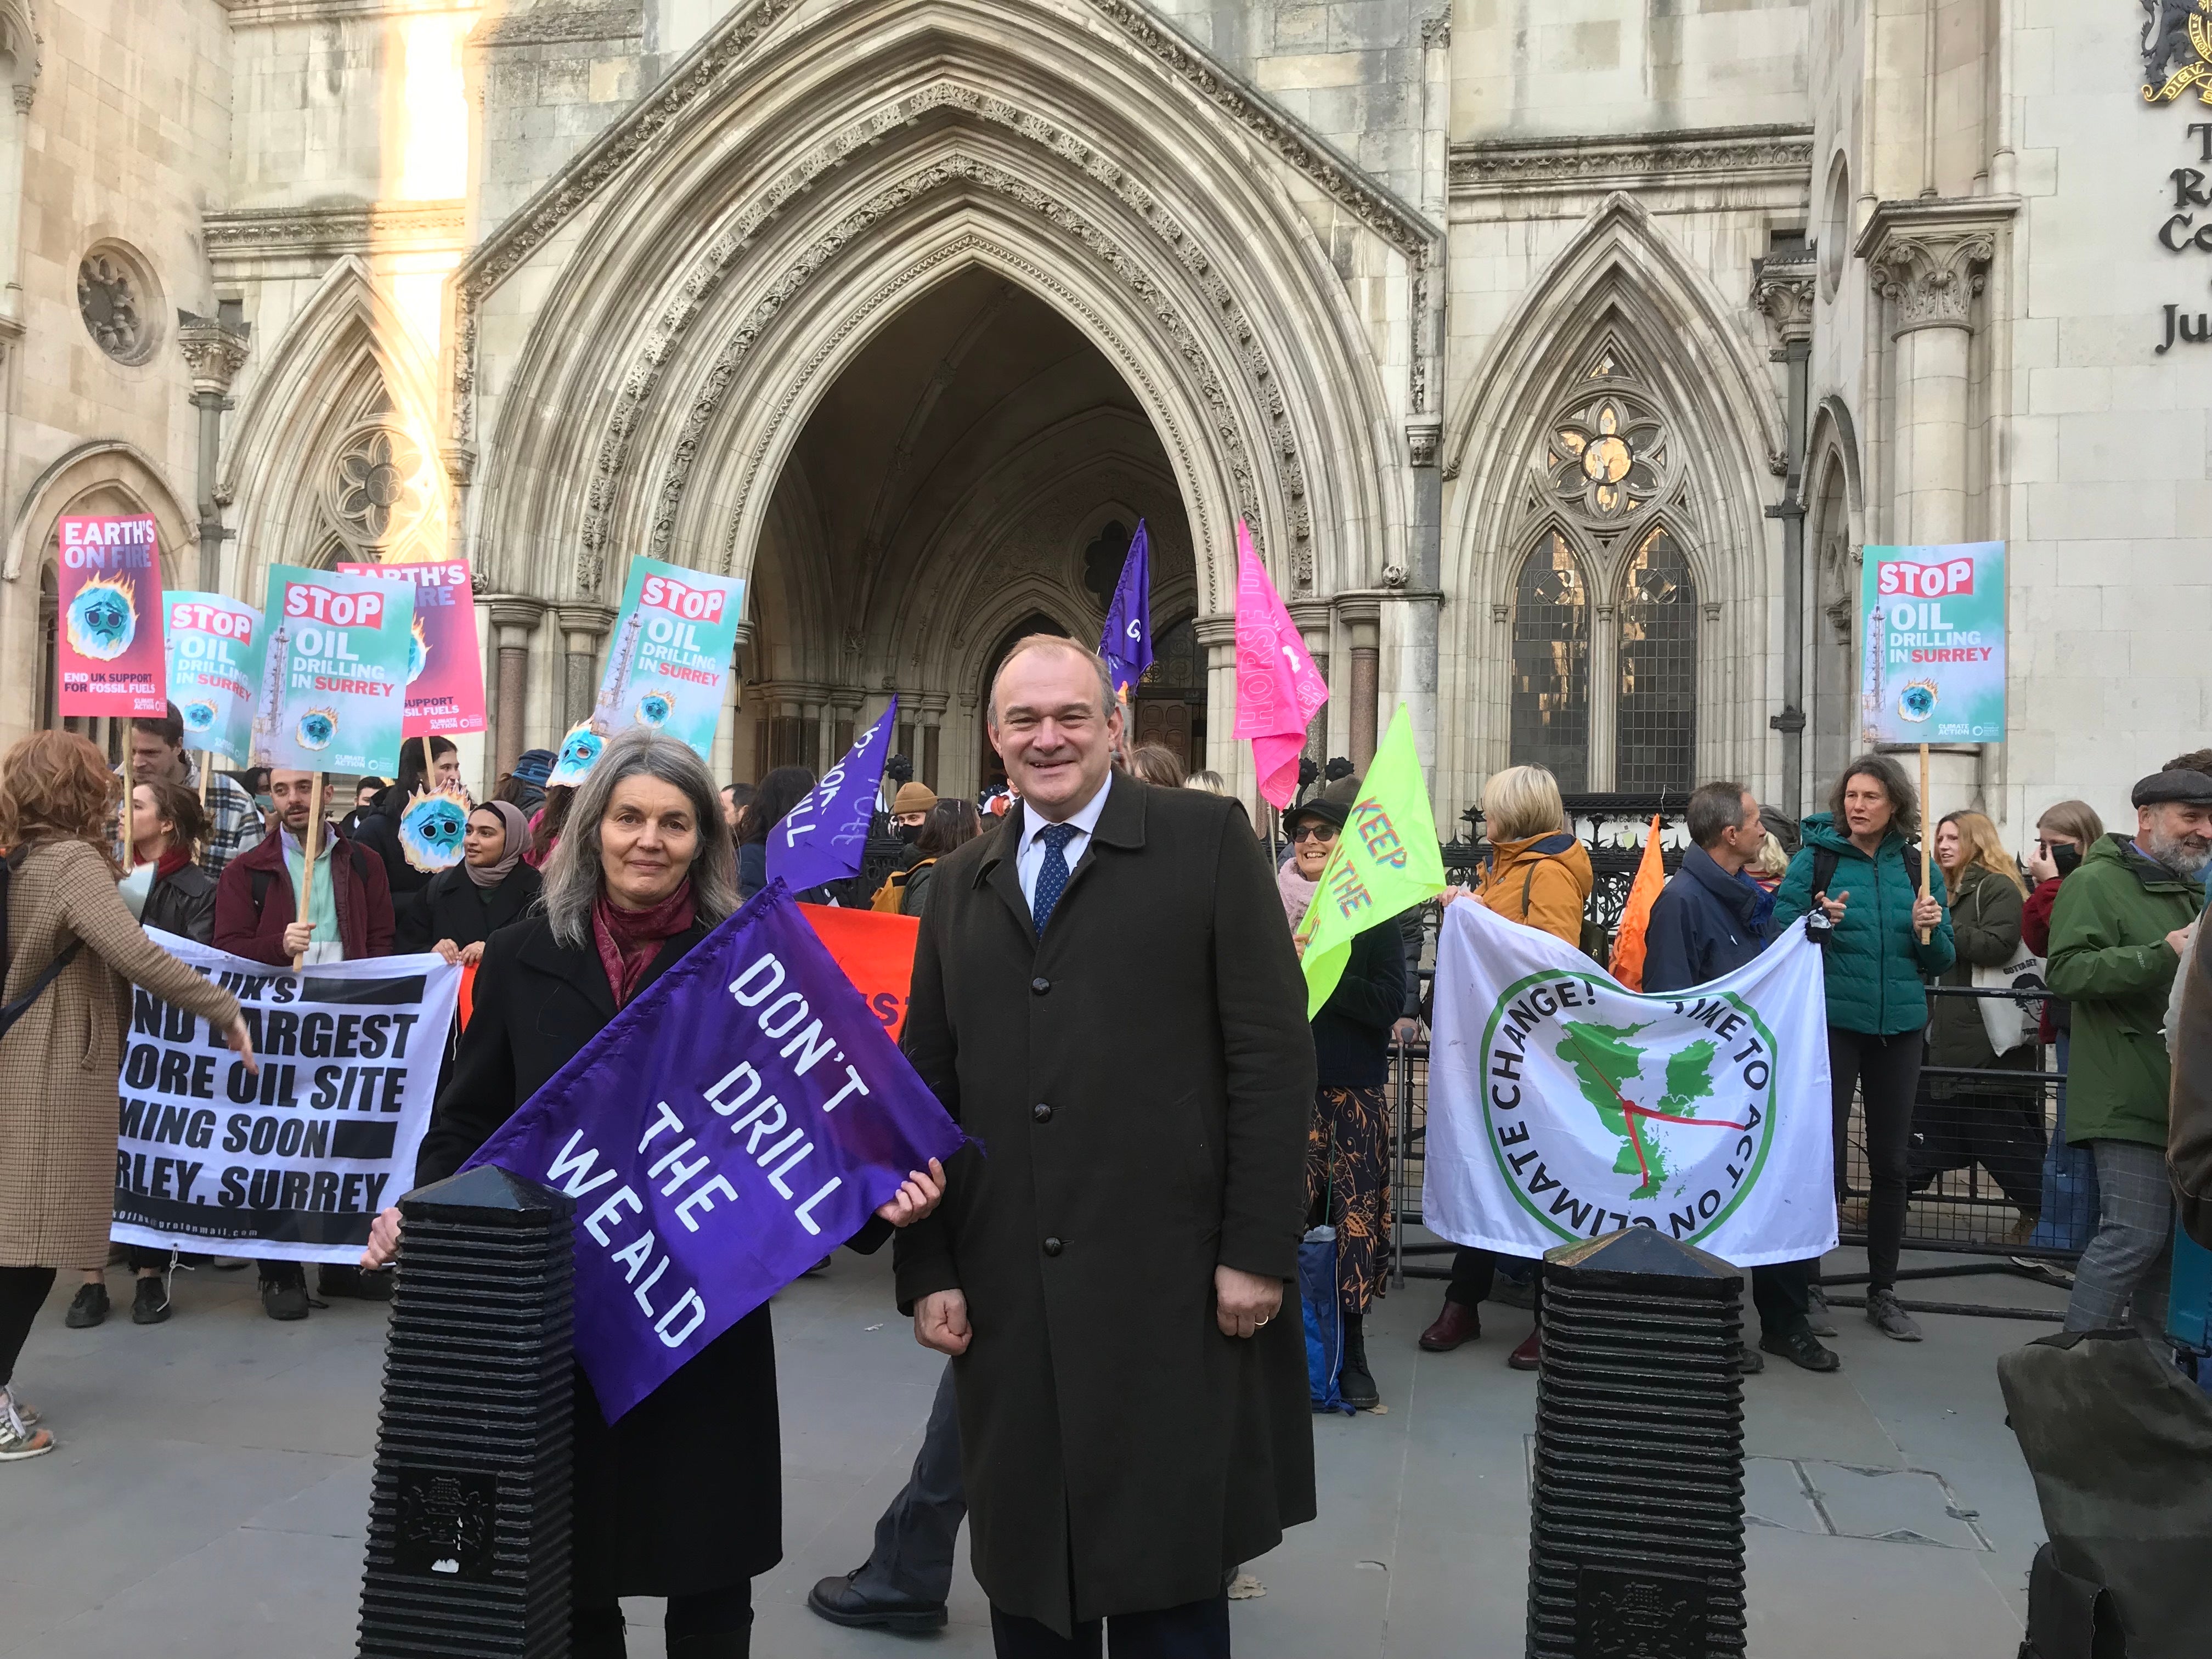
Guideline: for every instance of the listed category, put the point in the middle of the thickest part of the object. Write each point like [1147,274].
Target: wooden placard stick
[1927,836]
[307,851]
[130,787]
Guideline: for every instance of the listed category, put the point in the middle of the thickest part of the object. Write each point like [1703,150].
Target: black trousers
[716,1623]
[1886,1073]
[1196,1630]
[913,1558]
[1782,1293]
[1473,1271]
[22,1292]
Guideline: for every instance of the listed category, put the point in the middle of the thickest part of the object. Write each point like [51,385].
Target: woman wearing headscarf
[1539,875]
[490,887]
[1348,1133]
[682,1497]
[74,953]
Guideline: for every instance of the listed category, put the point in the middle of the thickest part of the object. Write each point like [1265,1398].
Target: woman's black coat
[457,909]
[685,1494]
[379,831]
[183,904]
[1352,1032]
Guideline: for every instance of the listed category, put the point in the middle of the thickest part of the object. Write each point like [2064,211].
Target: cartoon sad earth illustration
[317,727]
[103,619]
[1917,700]
[430,831]
[653,709]
[199,716]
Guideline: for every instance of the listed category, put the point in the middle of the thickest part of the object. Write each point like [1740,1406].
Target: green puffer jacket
[1875,960]
[2109,957]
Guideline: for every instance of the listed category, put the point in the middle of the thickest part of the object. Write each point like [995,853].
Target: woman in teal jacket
[1856,864]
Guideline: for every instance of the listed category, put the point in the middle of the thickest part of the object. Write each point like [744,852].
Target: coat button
[1040,986]
[1041,1112]
[1052,1247]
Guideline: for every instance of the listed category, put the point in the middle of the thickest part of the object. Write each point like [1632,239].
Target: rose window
[1606,459]
[378,487]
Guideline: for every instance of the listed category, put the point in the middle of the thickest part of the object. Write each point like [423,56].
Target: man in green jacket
[2116,938]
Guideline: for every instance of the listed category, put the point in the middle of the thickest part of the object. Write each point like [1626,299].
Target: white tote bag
[2011,1021]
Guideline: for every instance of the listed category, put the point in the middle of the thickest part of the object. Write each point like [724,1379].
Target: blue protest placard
[743,1117]
[668,667]
[823,837]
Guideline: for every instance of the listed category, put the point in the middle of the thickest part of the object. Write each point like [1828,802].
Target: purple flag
[823,837]
[741,1119]
[1127,644]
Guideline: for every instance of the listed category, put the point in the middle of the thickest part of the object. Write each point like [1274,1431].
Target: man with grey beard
[2117,935]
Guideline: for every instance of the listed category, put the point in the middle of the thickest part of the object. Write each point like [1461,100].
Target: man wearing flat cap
[2116,934]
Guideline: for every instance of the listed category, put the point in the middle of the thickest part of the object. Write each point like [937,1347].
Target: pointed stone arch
[1620,284]
[105,476]
[346,365]
[807,170]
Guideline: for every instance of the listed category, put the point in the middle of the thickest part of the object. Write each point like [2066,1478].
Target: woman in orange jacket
[1539,875]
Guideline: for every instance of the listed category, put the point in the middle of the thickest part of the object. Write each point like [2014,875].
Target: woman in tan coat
[1539,875]
[60,1061]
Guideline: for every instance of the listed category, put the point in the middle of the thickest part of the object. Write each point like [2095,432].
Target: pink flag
[1278,687]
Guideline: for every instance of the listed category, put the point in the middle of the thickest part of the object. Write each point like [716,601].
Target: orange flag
[468,1006]
[876,951]
[1628,943]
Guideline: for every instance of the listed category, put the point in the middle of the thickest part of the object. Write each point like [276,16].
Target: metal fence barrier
[1972,1132]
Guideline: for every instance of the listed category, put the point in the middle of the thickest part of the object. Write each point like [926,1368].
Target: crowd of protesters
[579,896]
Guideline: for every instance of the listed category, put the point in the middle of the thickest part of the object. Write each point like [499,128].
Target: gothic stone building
[1562,354]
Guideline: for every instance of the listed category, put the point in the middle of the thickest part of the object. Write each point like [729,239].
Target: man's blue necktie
[1052,874]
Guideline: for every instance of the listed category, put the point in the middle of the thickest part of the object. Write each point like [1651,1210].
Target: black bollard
[468,1528]
[1635,1532]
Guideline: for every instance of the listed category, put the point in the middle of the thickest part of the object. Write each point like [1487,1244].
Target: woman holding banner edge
[62,1055]
[641,875]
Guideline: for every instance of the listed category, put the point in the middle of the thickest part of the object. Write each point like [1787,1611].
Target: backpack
[892,894]
[11,1013]
[1825,860]
[1592,943]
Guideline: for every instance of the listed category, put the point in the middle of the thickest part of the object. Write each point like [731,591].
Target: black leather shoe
[1802,1348]
[285,1296]
[87,1308]
[835,1600]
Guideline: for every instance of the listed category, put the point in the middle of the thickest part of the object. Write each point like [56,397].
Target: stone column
[214,350]
[1928,265]
[582,628]
[1223,754]
[514,619]
[1782,289]
[930,711]
[1362,614]
[1312,617]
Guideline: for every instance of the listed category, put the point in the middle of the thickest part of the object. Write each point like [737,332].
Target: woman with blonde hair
[61,1058]
[1539,875]
[1995,1121]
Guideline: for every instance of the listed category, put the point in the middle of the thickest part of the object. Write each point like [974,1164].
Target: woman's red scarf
[630,940]
[173,858]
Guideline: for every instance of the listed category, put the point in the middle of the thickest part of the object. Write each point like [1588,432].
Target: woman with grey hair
[683,1498]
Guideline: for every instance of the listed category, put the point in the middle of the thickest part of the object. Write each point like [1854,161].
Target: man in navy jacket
[1709,921]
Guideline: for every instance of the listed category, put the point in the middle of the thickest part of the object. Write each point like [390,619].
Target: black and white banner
[293,1164]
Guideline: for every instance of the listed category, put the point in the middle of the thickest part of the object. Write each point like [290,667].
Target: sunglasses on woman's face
[1322,832]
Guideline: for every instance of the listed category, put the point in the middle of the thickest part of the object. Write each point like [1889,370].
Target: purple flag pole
[824,837]
[743,1116]
[1127,642]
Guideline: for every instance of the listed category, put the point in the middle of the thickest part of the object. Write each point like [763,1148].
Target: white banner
[293,1165]
[1563,1106]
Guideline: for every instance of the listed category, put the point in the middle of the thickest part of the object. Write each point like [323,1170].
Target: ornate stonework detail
[212,353]
[1782,291]
[544,25]
[1932,278]
[380,487]
[1606,459]
[707,274]
[1436,30]
[1421,440]
[114,295]
[1762,152]
[330,231]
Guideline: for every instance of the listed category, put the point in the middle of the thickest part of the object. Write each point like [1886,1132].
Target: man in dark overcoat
[1106,997]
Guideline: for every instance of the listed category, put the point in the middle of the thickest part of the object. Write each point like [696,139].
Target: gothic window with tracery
[1656,713]
[1551,665]
[1607,458]
[380,489]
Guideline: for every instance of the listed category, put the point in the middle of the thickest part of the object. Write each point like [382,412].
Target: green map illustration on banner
[1607,1065]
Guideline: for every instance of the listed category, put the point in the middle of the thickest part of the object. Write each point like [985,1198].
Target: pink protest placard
[444,677]
[1278,687]
[110,652]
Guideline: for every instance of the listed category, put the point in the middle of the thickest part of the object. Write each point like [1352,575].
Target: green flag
[1386,861]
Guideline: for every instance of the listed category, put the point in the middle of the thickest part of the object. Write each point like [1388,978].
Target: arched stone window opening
[1551,664]
[1170,699]
[1656,713]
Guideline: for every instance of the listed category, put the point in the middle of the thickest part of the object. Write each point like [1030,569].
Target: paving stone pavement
[209,1496]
